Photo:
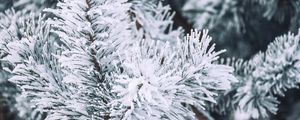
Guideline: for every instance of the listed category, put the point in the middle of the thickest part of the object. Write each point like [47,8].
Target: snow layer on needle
[157,78]
[275,71]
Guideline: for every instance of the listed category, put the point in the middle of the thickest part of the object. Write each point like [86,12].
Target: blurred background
[242,27]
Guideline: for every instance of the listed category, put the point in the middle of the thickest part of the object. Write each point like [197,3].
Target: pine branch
[12,28]
[155,21]
[38,74]
[101,66]
[265,76]
[150,88]
[101,31]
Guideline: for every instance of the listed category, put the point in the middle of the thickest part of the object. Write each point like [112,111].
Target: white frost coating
[12,26]
[275,71]
[37,73]
[156,80]
[99,68]
[154,20]
[91,32]
[241,115]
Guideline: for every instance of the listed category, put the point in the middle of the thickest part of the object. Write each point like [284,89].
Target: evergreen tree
[128,60]
[93,61]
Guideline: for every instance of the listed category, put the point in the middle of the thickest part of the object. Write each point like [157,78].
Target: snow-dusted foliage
[158,80]
[276,71]
[224,18]
[261,79]
[154,20]
[90,32]
[36,72]
[15,14]
[96,60]
[11,23]
[13,27]
[226,101]
[122,59]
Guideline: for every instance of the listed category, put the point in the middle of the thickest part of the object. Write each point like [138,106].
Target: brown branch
[94,59]
[198,114]
[92,39]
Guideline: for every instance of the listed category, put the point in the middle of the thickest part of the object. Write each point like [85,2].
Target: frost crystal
[156,82]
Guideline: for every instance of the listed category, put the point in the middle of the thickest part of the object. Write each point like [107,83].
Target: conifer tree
[126,59]
[93,61]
